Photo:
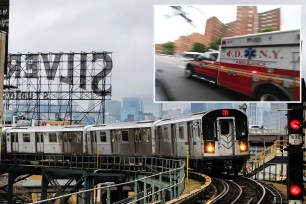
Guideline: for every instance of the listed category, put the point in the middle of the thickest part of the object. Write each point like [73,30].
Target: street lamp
[264,156]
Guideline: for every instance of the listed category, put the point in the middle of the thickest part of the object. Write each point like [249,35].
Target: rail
[266,155]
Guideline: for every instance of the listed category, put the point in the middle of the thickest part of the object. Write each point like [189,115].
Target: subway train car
[216,140]
[45,140]
[129,138]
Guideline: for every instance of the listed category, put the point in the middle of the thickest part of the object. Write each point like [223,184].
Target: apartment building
[248,21]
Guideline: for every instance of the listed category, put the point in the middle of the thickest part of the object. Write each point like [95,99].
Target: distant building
[172,113]
[278,118]
[131,106]
[113,108]
[269,20]
[198,107]
[185,43]
[255,114]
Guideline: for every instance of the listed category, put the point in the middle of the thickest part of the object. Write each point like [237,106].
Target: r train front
[226,140]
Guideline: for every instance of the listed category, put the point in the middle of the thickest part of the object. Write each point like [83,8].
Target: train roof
[46,128]
[194,116]
[139,124]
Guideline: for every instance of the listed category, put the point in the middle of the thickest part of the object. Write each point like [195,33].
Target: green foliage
[267,30]
[199,47]
[168,48]
[215,44]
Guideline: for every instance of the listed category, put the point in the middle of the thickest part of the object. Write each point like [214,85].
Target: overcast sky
[124,27]
[166,29]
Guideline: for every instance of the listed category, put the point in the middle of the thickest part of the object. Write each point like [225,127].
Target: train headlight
[243,146]
[209,147]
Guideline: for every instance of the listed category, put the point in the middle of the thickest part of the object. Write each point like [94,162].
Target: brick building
[269,19]
[248,21]
[185,43]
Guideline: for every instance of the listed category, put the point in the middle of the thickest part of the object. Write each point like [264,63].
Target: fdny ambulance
[264,66]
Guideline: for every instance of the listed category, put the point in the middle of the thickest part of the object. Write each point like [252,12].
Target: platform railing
[266,155]
[267,131]
[163,179]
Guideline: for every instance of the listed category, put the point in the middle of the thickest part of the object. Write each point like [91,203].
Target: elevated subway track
[117,169]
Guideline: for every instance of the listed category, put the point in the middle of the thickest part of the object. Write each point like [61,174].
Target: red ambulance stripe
[276,71]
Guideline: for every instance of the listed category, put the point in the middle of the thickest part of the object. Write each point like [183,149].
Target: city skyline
[267,114]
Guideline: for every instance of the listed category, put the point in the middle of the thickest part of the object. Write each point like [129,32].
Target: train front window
[209,128]
[241,128]
[225,129]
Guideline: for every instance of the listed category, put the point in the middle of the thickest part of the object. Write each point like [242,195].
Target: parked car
[188,55]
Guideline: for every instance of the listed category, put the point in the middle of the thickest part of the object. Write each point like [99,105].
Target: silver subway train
[215,140]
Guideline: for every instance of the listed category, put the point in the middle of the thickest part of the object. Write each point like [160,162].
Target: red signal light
[225,112]
[295,190]
[295,124]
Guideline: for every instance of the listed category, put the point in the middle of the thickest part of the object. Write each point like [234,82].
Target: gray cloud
[123,28]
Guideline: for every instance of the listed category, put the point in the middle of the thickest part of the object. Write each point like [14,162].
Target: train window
[135,135]
[181,133]
[225,128]
[166,134]
[26,137]
[199,129]
[209,128]
[52,137]
[241,128]
[159,134]
[103,136]
[125,136]
[77,137]
[59,136]
[114,138]
[147,135]
[39,137]
[14,136]
[140,134]
[93,136]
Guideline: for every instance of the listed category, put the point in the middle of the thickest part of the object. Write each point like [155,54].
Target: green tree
[215,44]
[199,47]
[168,48]
[267,30]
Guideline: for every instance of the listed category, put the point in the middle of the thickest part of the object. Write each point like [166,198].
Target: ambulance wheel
[189,71]
[270,94]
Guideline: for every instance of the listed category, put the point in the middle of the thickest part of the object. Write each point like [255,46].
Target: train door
[114,142]
[190,138]
[94,141]
[137,141]
[76,143]
[15,143]
[67,142]
[158,137]
[173,140]
[39,138]
[226,135]
[89,143]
